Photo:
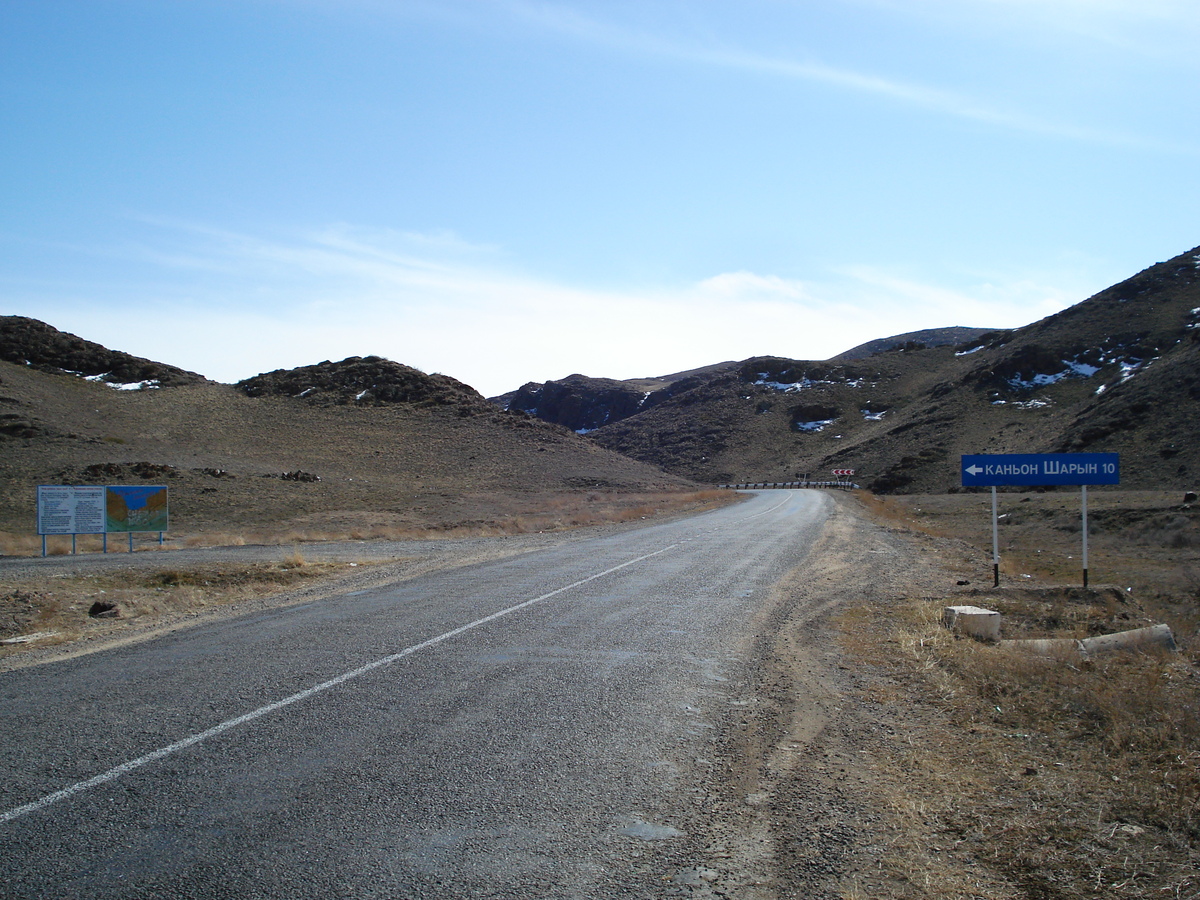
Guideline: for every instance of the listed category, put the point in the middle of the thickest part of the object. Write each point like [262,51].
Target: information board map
[94,509]
[135,508]
[1038,469]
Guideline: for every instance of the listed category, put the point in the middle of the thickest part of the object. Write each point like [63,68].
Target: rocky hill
[584,404]
[364,381]
[1117,372]
[351,447]
[913,340]
[28,342]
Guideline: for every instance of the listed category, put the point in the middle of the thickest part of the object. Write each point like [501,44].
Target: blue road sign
[990,470]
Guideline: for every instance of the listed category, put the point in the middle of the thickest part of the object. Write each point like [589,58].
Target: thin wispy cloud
[1164,30]
[615,188]
[441,303]
[571,21]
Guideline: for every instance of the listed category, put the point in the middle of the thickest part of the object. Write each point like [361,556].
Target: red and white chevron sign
[840,472]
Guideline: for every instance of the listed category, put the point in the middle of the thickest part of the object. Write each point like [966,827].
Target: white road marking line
[782,502]
[162,752]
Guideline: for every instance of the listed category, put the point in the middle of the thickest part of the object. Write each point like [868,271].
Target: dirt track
[800,803]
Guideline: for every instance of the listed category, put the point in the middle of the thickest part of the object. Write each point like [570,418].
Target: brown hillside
[29,342]
[237,462]
[913,340]
[365,381]
[584,404]
[1117,372]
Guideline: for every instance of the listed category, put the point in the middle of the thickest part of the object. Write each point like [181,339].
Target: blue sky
[508,191]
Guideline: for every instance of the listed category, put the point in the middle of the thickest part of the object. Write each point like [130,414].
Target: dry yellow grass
[1018,776]
[500,516]
[64,608]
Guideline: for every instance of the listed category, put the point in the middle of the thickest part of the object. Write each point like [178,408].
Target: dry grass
[492,516]
[63,609]
[1012,775]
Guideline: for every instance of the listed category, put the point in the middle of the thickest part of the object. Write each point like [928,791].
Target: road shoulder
[805,810]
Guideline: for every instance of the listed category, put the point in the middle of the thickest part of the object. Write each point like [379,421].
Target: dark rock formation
[29,342]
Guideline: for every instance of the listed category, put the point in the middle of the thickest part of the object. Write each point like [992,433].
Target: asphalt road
[532,727]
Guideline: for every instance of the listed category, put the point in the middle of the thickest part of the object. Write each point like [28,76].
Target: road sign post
[1039,470]
[1083,506]
[995,540]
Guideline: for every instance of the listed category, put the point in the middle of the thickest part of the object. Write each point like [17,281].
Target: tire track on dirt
[795,807]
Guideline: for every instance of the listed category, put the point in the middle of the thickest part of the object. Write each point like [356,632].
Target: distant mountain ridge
[930,337]
[1117,372]
[585,404]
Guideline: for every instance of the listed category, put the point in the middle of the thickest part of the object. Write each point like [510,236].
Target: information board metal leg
[995,541]
[74,551]
[106,542]
[131,542]
[43,545]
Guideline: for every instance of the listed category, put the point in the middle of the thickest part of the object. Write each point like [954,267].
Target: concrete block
[981,624]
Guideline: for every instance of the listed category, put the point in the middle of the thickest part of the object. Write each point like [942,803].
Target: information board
[99,509]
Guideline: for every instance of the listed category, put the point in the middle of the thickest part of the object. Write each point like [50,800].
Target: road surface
[540,726]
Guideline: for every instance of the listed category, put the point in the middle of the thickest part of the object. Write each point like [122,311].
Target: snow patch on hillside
[152,384]
[795,387]
[1127,367]
[813,427]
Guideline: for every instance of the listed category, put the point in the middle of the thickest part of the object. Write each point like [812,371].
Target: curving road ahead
[527,728]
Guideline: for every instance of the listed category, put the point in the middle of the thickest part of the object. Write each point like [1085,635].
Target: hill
[584,404]
[365,381]
[350,447]
[913,340]
[1118,372]
[28,342]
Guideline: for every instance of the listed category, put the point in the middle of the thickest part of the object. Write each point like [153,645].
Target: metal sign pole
[995,542]
[1083,489]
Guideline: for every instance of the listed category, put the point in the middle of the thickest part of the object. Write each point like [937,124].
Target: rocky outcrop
[931,337]
[579,403]
[28,342]
[364,381]
[584,404]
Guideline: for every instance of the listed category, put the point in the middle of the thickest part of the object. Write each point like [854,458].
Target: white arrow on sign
[973,470]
